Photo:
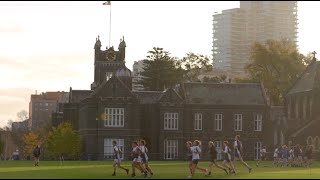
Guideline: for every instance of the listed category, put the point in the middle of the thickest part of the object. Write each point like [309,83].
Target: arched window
[316,143]
[309,140]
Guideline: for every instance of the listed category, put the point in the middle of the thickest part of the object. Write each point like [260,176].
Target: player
[284,157]
[263,154]
[213,158]
[292,156]
[196,150]
[36,154]
[227,158]
[144,157]
[117,159]
[238,151]
[276,156]
[136,162]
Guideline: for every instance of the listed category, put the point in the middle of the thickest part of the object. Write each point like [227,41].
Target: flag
[107,3]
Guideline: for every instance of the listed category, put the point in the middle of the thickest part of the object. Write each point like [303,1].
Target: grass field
[162,169]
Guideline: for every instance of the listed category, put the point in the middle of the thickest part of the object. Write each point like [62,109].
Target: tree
[194,65]
[276,64]
[22,115]
[160,71]
[30,141]
[215,79]
[43,133]
[64,141]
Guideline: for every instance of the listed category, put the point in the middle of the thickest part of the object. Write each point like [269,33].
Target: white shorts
[137,160]
[117,161]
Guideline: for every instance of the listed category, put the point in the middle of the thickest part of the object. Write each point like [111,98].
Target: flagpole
[110,27]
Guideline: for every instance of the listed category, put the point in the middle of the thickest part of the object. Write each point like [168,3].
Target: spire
[98,43]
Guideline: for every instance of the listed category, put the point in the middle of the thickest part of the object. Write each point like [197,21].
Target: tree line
[275,63]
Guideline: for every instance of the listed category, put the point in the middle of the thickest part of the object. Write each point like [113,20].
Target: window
[197,121]
[218,122]
[108,147]
[171,121]
[257,148]
[170,149]
[46,104]
[238,122]
[114,117]
[258,122]
[218,145]
[108,75]
[309,140]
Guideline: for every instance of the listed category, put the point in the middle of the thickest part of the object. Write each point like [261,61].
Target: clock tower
[107,62]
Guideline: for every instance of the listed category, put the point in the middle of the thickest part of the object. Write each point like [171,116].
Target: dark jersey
[213,153]
[36,152]
[296,152]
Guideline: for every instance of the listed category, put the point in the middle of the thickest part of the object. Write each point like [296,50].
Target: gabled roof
[105,83]
[170,95]
[307,80]
[148,97]
[78,95]
[224,93]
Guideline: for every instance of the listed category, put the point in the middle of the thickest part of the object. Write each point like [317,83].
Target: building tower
[106,62]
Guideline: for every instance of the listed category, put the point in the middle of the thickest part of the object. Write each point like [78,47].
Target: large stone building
[42,106]
[166,119]
[302,102]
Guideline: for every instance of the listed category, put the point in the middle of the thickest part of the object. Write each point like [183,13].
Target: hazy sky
[48,46]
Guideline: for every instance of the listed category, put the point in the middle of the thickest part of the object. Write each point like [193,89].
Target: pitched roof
[306,81]
[224,93]
[78,95]
[148,97]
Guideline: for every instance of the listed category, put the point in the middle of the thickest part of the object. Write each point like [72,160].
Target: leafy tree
[194,65]
[43,133]
[64,141]
[30,141]
[160,70]
[277,64]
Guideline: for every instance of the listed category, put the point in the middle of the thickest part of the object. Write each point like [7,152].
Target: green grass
[162,169]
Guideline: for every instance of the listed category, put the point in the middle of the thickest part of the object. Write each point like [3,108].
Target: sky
[48,46]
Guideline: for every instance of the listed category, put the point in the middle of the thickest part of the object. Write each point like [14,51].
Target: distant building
[137,68]
[229,35]
[235,30]
[42,106]
[20,126]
